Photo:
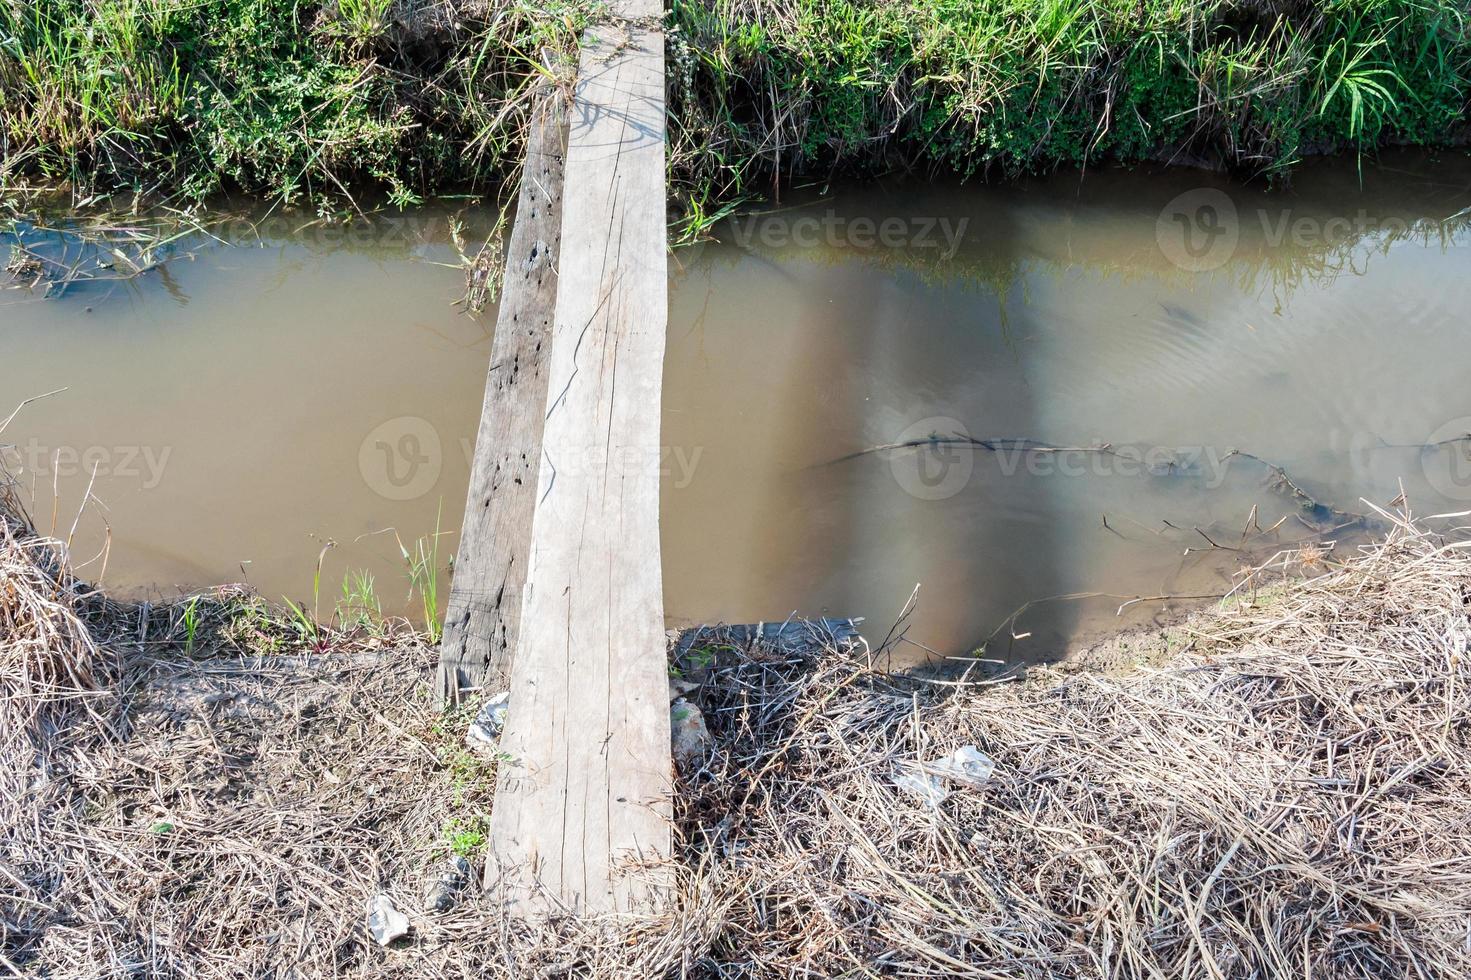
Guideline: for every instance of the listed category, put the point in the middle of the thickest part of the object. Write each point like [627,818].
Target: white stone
[385,922]
[691,737]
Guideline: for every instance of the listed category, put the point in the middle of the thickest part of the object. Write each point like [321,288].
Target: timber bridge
[558,590]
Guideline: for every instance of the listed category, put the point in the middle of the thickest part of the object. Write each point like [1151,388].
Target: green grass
[1005,87]
[291,99]
[360,607]
[424,566]
[314,101]
[467,836]
[191,623]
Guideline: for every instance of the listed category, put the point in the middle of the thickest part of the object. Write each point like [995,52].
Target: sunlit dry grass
[1289,795]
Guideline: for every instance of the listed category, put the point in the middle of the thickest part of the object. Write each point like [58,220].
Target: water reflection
[243,404]
[1061,318]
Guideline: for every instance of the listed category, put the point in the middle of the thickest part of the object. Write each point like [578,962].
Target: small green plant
[699,658]
[359,606]
[467,836]
[423,568]
[364,19]
[249,624]
[472,783]
[191,623]
[308,624]
[1362,88]
[306,627]
[472,776]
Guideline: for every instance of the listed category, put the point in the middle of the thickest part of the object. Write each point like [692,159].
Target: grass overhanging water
[314,101]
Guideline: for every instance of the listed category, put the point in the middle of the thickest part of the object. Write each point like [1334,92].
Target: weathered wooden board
[484,610]
[582,805]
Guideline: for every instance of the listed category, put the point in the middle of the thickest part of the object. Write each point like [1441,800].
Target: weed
[191,623]
[308,623]
[359,606]
[767,89]
[307,628]
[288,98]
[467,836]
[423,569]
[364,20]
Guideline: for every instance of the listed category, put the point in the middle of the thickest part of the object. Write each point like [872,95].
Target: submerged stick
[1319,515]
[989,445]
[1322,514]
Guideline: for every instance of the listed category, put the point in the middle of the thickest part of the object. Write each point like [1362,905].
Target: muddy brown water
[297,384]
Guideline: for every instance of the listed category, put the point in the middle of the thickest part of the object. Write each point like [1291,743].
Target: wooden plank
[582,808]
[484,610]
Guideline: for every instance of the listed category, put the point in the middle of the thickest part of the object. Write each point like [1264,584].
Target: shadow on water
[1064,317]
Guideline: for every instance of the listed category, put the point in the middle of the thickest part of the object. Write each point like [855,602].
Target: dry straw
[1285,796]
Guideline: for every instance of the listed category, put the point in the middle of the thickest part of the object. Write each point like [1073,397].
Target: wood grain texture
[582,805]
[484,610]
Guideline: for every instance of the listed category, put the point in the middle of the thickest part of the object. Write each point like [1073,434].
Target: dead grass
[1288,796]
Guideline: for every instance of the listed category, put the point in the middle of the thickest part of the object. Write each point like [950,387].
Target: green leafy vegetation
[314,101]
[191,623]
[467,836]
[425,566]
[1010,86]
[360,607]
[299,100]
[471,782]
